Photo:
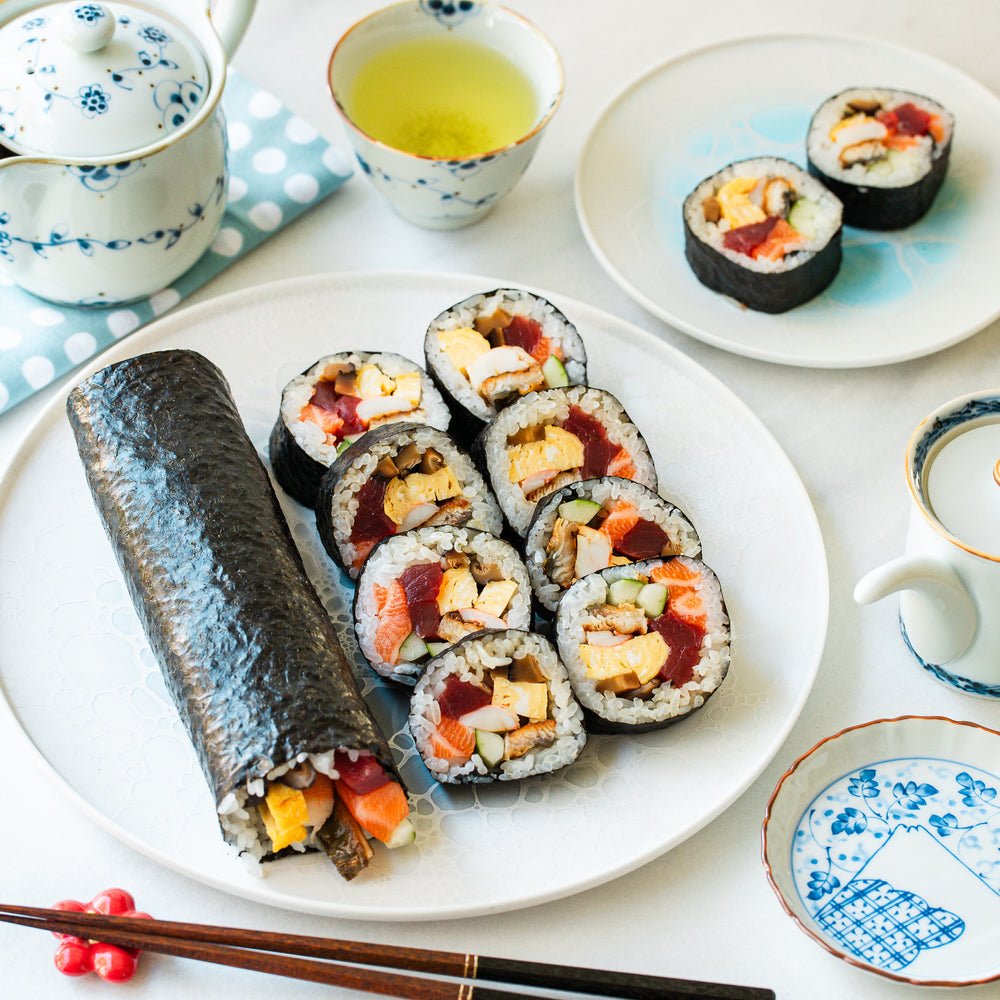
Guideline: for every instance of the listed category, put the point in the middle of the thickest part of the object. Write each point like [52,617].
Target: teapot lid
[95,79]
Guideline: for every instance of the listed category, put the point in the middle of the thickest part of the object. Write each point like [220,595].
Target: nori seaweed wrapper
[247,650]
[887,208]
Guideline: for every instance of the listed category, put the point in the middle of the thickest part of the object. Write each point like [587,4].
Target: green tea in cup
[447,97]
[444,104]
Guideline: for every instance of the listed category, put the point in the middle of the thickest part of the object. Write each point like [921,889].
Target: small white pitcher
[949,578]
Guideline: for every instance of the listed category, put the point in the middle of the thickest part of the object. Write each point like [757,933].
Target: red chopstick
[342,963]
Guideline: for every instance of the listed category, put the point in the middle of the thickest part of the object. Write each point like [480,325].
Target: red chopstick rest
[76,956]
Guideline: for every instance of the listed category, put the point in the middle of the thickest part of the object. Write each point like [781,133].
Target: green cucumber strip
[802,216]
[489,746]
[653,599]
[413,648]
[405,833]
[554,373]
[580,511]
[624,591]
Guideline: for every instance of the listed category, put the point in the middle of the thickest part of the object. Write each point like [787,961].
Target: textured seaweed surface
[246,648]
[888,208]
[769,292]
[297,472]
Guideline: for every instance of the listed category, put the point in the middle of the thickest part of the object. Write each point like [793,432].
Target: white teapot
[112,142]
[949,578]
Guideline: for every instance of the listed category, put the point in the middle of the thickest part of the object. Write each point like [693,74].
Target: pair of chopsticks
[342,963]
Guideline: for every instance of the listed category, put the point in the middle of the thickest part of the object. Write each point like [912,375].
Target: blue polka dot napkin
[279,167]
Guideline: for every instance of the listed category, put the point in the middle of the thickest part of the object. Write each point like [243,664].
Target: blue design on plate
[62,237]
[870,832]
[957,681]
[450,12]
[451,171]
[879,269]
[88,13]
[92,99]
[103,177]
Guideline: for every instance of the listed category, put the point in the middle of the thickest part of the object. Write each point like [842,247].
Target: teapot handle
[230,19]
[940,615]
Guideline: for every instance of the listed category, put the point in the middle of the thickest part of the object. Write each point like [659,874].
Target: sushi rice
[471,660]
[650,506]
[425,545]
[338,505]
[552,407]
[667,703]
[515,302]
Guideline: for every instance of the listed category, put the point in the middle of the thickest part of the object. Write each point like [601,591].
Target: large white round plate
[82,685]
[883,844]
[897,296]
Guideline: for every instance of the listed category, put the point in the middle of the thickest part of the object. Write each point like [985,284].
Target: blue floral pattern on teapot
[50,64]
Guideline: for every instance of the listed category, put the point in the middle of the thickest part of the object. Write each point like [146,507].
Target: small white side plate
[897,296]
[883,844]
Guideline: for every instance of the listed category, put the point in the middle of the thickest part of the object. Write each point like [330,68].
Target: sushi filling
[496,707]
[878,138]
[646,642]
[556,437]
[412,488]
[446,592]
[766,214]
[328,802]
[492,349]
[344,396]
[400,479]
[587,536]
[546,457]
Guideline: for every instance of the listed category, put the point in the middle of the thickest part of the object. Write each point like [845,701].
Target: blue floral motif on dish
[868,831]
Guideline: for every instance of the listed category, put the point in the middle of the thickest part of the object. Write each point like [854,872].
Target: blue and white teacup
[440,192]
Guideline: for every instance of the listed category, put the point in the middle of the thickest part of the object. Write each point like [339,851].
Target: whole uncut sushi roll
[496,706]
[399,477]
[294,759]
[645,644]
[554,437]
[883,152]
[764,232]
[494,347]
[595,523]
[421,591]
[336,401]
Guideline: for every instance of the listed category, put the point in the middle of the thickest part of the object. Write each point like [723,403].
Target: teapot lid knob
[86,27]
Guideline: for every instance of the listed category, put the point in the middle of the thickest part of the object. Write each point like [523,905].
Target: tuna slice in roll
[293,757]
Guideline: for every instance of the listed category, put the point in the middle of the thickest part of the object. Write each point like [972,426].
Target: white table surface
[704,910]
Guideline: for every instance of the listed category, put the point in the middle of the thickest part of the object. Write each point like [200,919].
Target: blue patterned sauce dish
[948,579]
[883,844]
[112,143]
[445,189]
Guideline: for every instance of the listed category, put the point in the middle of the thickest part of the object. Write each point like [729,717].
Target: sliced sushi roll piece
[764,232]
[554,437]
[595,523]
[421,591]
[495,346]
[496,706]
[337,400]
[399,477]
[883,152]
[644,644]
